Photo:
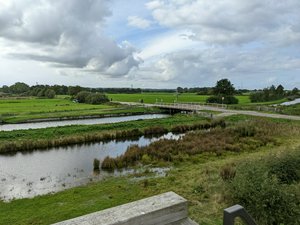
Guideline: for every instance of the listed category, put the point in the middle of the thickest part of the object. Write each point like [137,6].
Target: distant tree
[5,89]
[49,93]
[19,88]
[96,98]
[74,90]
[223,93]
[295,91]
[41,92]
[180,90]
[280,90]
[272,89]
[224,87]
[81,96]
[268,94]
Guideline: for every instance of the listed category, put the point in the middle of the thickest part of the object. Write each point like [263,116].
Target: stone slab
[162,209]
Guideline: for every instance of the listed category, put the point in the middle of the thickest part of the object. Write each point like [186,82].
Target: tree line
[273,93]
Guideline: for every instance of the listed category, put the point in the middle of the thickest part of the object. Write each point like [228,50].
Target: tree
[74,90]
[81,96]
[224,87]
[223,93]
[180,90]
[19,88]
[49,93]
[280,90]
[96,98]
[295,91]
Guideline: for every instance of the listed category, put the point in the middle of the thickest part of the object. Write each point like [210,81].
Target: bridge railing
[190,104]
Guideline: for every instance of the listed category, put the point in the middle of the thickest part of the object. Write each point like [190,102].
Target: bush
[96,98]
[226,100]
[263,196]
[49,93]
[286,169]
[91,98]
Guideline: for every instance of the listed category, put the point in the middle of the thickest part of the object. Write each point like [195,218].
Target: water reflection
[26,126]
[40,172]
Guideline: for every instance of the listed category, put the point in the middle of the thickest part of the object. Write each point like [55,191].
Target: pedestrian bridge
[190,106]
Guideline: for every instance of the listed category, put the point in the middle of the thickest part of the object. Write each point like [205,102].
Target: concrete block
[164,209]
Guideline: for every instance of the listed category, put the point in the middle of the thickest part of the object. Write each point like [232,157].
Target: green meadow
[173,97]
[16,110]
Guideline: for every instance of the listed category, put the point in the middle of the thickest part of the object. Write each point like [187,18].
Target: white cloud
[231,21]
[65,33]
[138,22]
[168,43]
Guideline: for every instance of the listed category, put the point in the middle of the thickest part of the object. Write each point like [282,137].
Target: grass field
[23,109]
[153,97]
[16,110]
[196,178]
[185,97]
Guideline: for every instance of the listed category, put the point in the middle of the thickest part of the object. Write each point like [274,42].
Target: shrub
[286,168]
[91,98]
[226,100]
[263,196]
[108,164]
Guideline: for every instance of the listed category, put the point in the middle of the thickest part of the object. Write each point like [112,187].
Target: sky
[150,43]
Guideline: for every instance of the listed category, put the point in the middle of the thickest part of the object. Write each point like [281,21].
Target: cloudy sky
[150,43]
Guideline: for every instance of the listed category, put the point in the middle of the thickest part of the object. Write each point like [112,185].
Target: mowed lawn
[167,97]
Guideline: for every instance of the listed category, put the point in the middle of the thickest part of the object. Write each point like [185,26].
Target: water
[36,125]
[25,175]
[294,102]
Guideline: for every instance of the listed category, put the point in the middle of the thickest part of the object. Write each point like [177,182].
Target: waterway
[26,175]
[294,102]
[36,125]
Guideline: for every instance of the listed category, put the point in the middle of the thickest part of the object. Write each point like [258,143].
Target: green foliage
[49,93]
[286,168]
[223,93]
[224,88]
[19,88]
[222,99]
[96,98]
[91,98]
[268,94]
[266,199]
[81,96]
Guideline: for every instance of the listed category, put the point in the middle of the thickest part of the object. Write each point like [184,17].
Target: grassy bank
[196,177]
[25,109]
[23,140]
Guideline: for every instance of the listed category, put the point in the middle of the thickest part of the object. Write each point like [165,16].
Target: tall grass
[218,141]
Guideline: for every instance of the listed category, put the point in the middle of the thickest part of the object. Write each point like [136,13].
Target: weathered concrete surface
[165,209]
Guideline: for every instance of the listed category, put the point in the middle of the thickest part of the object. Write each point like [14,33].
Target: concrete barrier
[165,209]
